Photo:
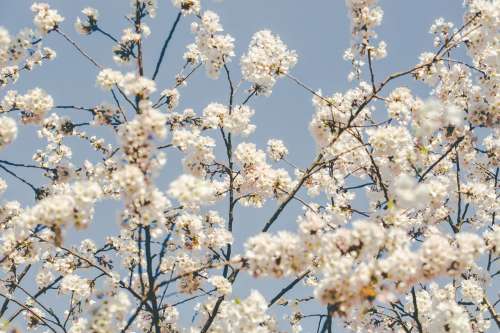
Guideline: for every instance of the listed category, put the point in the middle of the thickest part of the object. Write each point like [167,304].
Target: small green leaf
[390,204]
[424,150]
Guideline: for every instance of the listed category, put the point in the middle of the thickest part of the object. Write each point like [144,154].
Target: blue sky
[317,29]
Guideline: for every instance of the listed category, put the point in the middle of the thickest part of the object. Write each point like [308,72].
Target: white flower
[247,315]
[192,55]
[81,27]
[53,210]
[267,59]
[86,192]
[172,97]
[454,116]
[223,286]
[91,12]
[365,16]
[46,19]
[9,101]
[191,191]
[275,255]
[238,122]
[210,23]
[4,38]
[187,6]
[79,326]
[36,103]
[134,85]
[213,49]
[107,78]
[470,246]
[3,186]
[87,246]
[198,149]
[410,194]
[472,291]
[44,277]
[276,149]
[130,178]
[8,131]
[433,115]
[152,120]
[73,205]
[441,29]
[88,27]
[247,154]
[449,317]
[390,141]
[72,283]
[216,115]
[399,104]
[492,238]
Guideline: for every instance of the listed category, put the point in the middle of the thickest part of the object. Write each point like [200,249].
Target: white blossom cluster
[258,181]
[441,312]
[8,131]
[267,59]
[19,52]
[46,19]
[351,274]
[236,120]
[91,16]
[276,149]
[198,148]
[187,7]
[133,85]
[191,191]
[247,315]
[210,47]
[365,16]
[34,104]
[73,205]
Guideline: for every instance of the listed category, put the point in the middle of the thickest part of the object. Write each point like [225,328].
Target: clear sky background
[319,30]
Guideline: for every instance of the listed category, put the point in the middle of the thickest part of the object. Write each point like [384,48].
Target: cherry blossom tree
[419,252]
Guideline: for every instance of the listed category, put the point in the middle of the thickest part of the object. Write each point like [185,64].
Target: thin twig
[165,44]
[72,42]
